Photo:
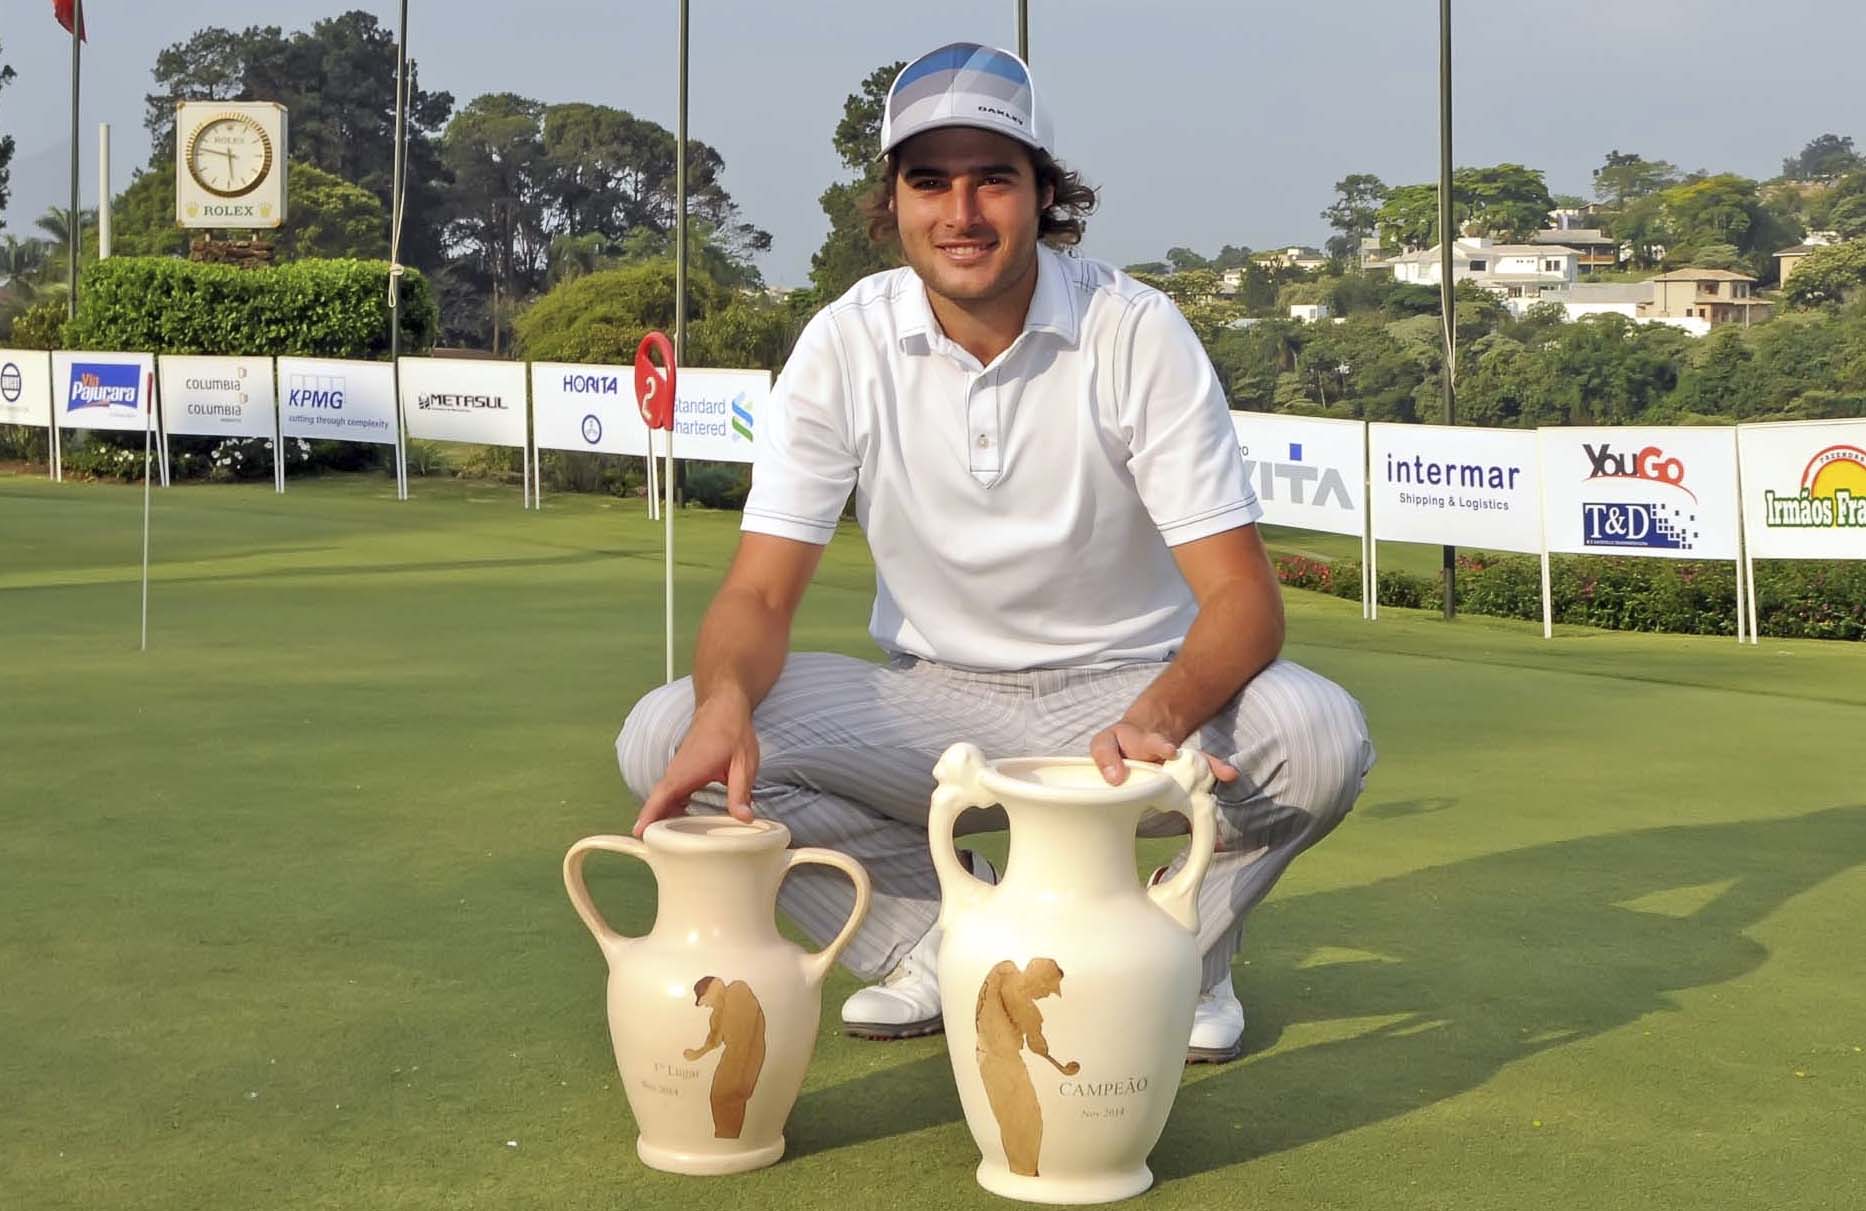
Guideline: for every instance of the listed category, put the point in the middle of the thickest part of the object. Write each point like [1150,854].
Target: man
[1065,551]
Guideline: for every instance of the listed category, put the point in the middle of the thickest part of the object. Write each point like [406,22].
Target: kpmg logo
[592,384]
[1645,525]
[12,382]
[1305,483]
[453,402]
[104,385]
[318,391]
[741,418]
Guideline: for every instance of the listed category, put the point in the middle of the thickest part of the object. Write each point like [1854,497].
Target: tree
[6,150]
[1507,201]
[1182,259]
[602,316]
[325,216]
[497,226]
[1626,176]
[1355,214]
[847,254]
[1823,158]
[1408,218]
[1829,276]
[338,81]
[1719,210]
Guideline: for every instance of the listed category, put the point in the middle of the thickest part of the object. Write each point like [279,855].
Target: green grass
[282,922]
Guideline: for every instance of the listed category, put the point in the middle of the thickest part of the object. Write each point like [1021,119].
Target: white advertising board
[25,388]
[1448,484]
[332,399]
[1804,489]
[590,408]
[464,400]
[217,396]
[716,413]
[1667,493]
[103,390]
[1309,473]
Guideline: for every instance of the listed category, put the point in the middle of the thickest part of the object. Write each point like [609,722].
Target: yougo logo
[1650,464]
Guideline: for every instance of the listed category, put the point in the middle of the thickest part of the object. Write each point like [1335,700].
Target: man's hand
[1113,747]
[720,746]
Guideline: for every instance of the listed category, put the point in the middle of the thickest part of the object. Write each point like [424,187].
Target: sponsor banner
[332,399]
[590,408]
[217,396]
[103,390]
[716,413]
[1804,489]
[462,400]
[25,387]
[1309,473]
[1667,493]
[1450,484]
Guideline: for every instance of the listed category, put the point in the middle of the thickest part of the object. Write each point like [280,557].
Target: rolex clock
[229,164]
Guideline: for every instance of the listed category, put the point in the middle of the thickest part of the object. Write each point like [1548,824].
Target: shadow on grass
[1459,970]
[892,1101]
[1408,807]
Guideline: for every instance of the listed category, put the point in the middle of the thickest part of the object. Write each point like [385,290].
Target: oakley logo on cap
[963,84]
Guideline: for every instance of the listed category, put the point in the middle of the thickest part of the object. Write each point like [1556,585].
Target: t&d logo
[1646,525]
[104,385]
[1319,485]
[12,382]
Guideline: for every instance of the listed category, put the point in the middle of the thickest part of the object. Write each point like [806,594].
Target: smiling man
[1066,560]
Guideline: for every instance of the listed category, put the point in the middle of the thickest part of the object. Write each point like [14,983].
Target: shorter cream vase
[712,1013]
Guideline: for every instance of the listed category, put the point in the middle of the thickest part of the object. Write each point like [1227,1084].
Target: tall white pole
[148,427]
[680,328]
[103,191]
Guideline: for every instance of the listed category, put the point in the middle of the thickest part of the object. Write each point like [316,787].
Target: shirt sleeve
[1184,450]
[803,461]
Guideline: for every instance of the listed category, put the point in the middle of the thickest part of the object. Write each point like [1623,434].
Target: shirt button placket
[982,418]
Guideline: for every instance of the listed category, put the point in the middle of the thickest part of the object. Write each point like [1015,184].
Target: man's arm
[743,641]
[1237,633]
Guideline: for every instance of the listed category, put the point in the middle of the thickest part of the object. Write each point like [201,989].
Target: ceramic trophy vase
[713,1015]
[1068,988]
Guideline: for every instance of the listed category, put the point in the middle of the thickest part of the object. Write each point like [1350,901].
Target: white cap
[964,84]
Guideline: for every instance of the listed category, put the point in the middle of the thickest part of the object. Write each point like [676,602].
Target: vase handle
[1179,895]
[816,966]
[606,937]
[959,790]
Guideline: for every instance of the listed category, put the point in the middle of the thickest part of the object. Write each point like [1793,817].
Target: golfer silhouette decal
[1009,1022]
[738,1025]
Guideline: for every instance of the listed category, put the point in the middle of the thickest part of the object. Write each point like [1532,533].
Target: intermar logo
[1832,494]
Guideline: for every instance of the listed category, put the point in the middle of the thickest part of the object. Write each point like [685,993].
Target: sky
[1204,122]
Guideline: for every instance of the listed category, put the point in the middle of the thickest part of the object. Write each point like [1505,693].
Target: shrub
[310,308]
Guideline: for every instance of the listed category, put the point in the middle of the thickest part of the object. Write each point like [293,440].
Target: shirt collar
[1052,306]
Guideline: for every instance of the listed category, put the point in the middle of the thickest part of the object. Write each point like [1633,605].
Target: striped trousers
[847,755]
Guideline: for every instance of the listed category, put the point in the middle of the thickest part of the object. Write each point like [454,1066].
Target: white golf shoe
[1218,1021]
[905,1004]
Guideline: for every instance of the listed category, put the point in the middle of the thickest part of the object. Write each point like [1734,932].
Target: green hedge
[310,308]
[1795,599]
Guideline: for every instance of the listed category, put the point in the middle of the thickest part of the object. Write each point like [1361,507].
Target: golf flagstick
[654,398]
[148,423]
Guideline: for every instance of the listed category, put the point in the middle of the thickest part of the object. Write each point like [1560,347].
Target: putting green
[283,923]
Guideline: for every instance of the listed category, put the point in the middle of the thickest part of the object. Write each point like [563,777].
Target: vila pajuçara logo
[1305,483]
[1645,524]
[1832,494]
[104,385]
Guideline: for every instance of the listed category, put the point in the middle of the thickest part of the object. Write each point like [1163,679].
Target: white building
[1309,313]
[1510,271]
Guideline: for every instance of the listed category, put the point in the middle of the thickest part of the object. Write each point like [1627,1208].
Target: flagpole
[680,327]
[75,232]
[398,172]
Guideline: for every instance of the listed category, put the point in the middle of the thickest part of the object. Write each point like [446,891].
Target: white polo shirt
[1020,514]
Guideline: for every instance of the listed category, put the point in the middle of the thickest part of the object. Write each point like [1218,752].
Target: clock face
[229,155]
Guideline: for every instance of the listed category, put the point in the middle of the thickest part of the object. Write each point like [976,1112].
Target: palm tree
[56,224]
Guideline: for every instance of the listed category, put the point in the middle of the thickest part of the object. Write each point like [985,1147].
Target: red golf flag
[62,10]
